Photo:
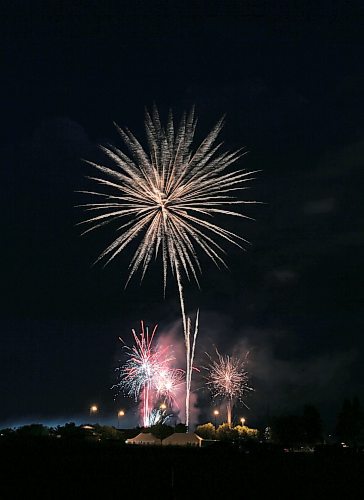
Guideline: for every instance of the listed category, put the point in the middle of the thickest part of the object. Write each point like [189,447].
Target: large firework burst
[228,380]
[167,197]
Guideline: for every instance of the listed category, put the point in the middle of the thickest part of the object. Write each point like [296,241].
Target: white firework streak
[167,196]
[227,379]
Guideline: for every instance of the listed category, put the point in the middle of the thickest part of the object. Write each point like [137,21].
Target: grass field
[61,469]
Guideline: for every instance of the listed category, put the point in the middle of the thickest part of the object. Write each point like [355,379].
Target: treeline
[85,432]
[304,429]
[69,431]
[307,428]
[226,432]
[298,430]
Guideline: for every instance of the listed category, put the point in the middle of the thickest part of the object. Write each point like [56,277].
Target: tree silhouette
[161,431]
[312,425]
[225,433]
[206,431]
[180,428]
[350,422]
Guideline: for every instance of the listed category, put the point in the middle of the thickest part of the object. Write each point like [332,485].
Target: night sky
[289,76]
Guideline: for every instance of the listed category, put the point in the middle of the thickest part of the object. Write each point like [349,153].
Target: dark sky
[289,76]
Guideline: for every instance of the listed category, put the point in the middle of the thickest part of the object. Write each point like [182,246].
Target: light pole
[93,410]
[242,420]
[216,413]
[121,413]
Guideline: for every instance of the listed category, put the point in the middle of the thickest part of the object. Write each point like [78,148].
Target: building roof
[183,439]
[141,438]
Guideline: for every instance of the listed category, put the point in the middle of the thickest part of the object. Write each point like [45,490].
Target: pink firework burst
[143,367]
[228,380]
[168,384]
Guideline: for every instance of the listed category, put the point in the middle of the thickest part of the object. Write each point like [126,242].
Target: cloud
[283,384]
[342,161]
[317,207]
[60,136]
[283,374]
[283,276]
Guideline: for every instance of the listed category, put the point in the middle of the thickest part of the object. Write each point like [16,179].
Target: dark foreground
[67,470]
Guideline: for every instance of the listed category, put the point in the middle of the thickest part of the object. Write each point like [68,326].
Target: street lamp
[216,413]
[93,410]
[242,420]
[121,413]
[163,406]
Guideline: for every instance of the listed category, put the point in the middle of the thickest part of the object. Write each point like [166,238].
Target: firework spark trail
[144,364]
[159,416]
[228,380]
[165,197]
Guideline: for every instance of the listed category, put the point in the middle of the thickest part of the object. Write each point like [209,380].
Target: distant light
[242,420]
[216,412]
[93,409]
[121,413]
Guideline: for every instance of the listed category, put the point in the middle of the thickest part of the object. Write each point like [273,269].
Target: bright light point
[93,409]
[163,406]
[121,413]
[242,420]
[216,412]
